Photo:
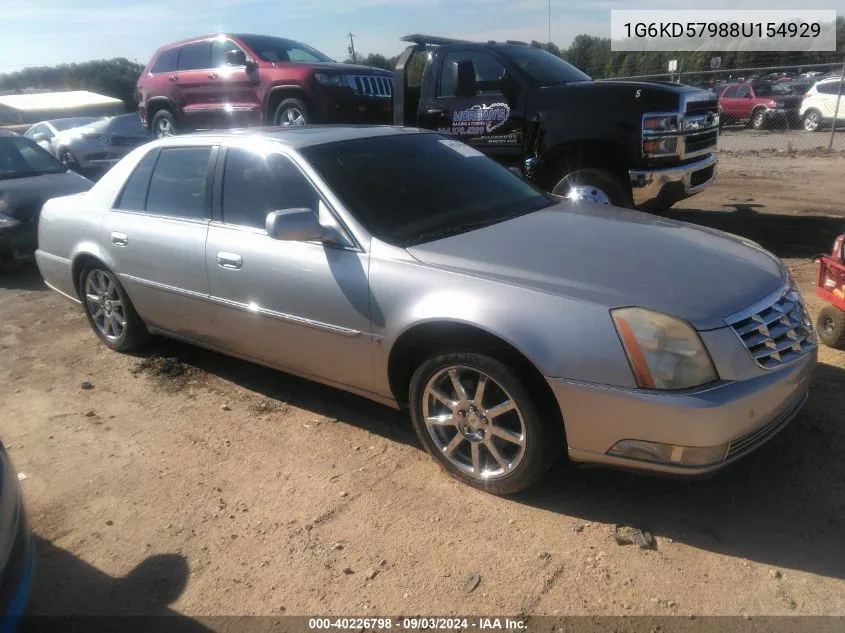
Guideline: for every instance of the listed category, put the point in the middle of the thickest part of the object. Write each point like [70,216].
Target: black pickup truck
[633,144]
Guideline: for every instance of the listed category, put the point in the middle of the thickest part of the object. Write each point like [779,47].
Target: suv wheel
[758,119]
[813,121]
[164,124]
[477,418]
[831,327]
[593,185]
[291,112]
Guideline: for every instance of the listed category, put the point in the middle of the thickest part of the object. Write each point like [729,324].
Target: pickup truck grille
[372,85]
[779,333]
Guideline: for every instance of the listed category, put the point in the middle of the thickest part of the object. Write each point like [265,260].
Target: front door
[236,97]
[303,306]
[478,112]
[155,235]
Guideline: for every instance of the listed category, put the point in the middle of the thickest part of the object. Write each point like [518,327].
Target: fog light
[660,147]
[669,453]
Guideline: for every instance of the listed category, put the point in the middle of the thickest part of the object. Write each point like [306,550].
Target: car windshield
[771,90]
[276,49]
[21,157]
[543,67]
[66,124]
[415,188]
[123,125]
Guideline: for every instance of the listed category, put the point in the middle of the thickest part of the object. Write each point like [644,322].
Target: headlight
[7,222]
[661,123]
[664,352]
[661,146]
[330,80]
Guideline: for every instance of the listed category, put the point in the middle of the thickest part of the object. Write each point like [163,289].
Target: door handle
[173,78]
[212,75]
[435,111]
[232,261]
[119,239]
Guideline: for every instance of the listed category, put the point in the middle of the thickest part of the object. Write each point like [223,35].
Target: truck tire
[831,327]
[594,185]
[163,125]
[758,119]
[291,112]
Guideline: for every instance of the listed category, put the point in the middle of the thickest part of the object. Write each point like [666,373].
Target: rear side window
[254,185]
[134,195]
[731,92]
[178,184]
[166,62]
[195,56]
[743,92]
[830,88]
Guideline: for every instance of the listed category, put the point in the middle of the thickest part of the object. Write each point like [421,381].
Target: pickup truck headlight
[331,79]
[667,146]
[665,352]
[661,123]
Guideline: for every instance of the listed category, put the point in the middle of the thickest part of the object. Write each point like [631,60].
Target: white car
[817,108]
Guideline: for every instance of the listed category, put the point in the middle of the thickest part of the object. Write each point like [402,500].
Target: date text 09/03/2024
[418,624]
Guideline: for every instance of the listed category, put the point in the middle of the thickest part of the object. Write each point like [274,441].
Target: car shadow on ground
[21,275]
[68,594]
[783,505]
[787,236]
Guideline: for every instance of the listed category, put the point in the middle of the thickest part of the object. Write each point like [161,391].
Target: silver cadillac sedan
[410,269]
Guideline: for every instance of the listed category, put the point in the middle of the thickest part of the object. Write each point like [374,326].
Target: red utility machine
[830,286]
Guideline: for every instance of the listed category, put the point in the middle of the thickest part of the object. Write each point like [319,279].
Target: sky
[50,32]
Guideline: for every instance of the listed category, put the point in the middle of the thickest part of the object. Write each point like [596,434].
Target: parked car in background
[411,269]
[222,81]
[45,132]
[760,103]
[800,86]
[28,177]
[17,555]
[818,108]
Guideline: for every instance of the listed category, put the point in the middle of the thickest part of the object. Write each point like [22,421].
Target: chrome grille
[778,333]
[371,85]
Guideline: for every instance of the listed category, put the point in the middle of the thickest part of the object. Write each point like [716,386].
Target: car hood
[338,68]
[616,258]
[22,198]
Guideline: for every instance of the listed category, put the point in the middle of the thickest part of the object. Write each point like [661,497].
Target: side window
[196,56]
[488,72]
[166,62]
[219,48]
[134,194]
[254,185]
[731,93]
[744,92]
[178,184]
[830,88]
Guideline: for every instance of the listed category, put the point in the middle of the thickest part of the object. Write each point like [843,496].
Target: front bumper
[664,187]
[18,242]
[741,414]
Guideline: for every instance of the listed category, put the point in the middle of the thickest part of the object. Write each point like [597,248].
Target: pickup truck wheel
[758,119]
[291,112]
[813,121]
[109,311]
[477,418]
[593,185]
[164,124]
[831,327]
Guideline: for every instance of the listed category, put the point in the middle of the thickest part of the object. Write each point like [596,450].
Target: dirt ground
[184,481]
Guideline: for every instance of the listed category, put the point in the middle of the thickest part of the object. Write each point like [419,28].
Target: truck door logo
[478,120]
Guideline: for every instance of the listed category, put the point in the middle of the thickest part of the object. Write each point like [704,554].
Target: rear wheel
[831,327]
[109,310]
[477,418]
[594,185]
[164,124]
[812,121]
[291,112]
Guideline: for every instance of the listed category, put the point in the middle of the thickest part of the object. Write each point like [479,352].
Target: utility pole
[836,109]
[352,47]
[550,21]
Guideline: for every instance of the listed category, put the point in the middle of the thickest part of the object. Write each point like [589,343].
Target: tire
[758,119]
[67,159]
[291,112]
[812,121]
[594,185]
[100,292]
[163,125]
[831,327]
[451,441]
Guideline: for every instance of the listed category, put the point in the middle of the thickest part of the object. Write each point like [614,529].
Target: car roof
[300,136]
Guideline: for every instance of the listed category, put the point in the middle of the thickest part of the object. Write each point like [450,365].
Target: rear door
[155,238]
[198,84]
[485,119]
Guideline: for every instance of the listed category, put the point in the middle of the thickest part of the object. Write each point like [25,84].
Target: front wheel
[758,119]
[291,112]
[164,124]
[812,121]
[831,327]
[594,185]
[109,311]
[477,418]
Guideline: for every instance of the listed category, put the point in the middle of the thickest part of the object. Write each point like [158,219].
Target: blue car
[17,558]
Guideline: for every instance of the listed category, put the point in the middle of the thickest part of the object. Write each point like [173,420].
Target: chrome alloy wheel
[588,193]
[164,128]
[105,305]
[291,116]
[474,422]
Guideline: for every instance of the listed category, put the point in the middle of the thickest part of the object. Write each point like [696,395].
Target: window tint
[73,122]
[731,93]
[134,195]
[166,62]
[276,49]
[195,56]
[487,70]
[178,183]
[830,88]
[21,156]
[743,92]
[255,185]
[219,48]
[39,129]
[545,68]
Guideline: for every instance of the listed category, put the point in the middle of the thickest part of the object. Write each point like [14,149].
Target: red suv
[221,81]
[760,103]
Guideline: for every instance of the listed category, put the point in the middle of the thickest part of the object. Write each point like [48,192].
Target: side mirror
[235,57]
[294,225]
[463,81]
